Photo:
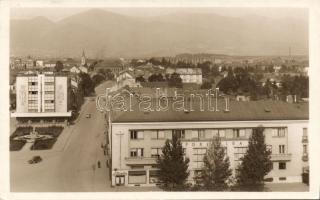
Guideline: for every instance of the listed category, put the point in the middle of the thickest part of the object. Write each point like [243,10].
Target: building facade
[190,75]
[41,95]
[137,139]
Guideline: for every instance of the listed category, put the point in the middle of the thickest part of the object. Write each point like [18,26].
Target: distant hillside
[105,34]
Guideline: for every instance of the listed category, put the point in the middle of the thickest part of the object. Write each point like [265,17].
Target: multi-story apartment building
[137,138]
[41,95]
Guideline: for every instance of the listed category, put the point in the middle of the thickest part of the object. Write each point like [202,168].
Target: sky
[56,14]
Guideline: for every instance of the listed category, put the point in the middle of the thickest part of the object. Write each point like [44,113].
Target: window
[281,149]
[156,152]
[239,152]
[136,152]
[305,149]
[229,133]
[305,132]
[179,132]
[161,135]
[198,156]
[194,134]
[269,148]
[136,134]
[211,133]
[48,92]
[278,132]
[282,165]
[137,177]
[305,135]
[33,92]
[157,134]
[199,151]
[133,153]
[222,133]
[201,134]
[239,133]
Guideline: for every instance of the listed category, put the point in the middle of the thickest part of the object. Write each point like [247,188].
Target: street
[71,165]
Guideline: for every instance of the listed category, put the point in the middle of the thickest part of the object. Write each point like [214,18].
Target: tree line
[174,79]
[215,175]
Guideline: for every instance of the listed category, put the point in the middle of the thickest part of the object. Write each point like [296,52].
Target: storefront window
[137,177]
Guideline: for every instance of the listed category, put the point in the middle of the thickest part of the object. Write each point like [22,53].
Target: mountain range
[104,34]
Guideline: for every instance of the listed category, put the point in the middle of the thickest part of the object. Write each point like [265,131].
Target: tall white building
[41,95]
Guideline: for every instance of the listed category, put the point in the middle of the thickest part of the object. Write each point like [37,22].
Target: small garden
[53,131]
[16,145]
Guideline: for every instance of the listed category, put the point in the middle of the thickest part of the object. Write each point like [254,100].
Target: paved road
[75,168]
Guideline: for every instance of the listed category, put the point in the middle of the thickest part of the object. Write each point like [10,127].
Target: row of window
[49,87]
[203,133]
[33,92]
[49,101]
[32,88]
[33,79]
[239,152]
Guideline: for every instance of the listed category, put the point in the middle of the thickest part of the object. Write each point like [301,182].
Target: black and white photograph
[196,101]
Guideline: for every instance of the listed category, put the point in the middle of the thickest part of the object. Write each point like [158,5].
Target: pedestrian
[98,163]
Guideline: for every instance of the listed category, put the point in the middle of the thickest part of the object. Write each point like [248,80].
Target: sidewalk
[101,175]
[26,147]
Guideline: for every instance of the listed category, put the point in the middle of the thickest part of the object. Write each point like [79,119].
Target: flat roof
[238,111]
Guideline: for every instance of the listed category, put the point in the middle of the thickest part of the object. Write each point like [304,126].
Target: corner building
[42,95]
[137,138]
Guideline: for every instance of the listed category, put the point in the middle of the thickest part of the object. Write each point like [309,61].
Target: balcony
[141,160]
[281,157]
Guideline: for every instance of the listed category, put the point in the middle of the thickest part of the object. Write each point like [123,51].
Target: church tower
[83,59]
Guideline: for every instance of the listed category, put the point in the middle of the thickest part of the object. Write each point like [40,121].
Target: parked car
[35,159]
[88,115]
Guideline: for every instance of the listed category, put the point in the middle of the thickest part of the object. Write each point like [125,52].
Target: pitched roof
[238,111]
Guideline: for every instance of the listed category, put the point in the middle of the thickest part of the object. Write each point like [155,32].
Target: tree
[97,79]
[140,79]
[86,84]
[156,78]
[216,170]
[59,66]
[175,80]
[206,85]
[256,162]
[109,75]
[173,168]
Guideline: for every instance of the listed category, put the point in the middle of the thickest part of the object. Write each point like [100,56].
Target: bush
[20,131]
[54,131]
[16,145]
[43,144]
